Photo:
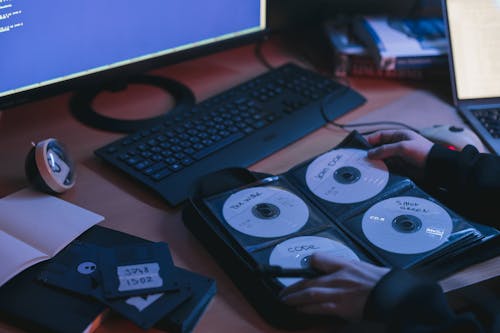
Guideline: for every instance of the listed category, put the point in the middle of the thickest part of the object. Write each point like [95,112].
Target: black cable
[344,126]
[259,55]
[345,88]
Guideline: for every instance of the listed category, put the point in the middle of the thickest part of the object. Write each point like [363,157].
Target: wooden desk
[133,209]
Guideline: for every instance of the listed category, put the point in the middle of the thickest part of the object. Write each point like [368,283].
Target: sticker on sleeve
[136,270]
[142,276]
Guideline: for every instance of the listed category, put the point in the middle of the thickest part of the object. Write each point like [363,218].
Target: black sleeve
[408,304]
[468,181]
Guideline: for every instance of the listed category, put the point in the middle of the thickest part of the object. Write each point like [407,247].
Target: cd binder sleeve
[337,202]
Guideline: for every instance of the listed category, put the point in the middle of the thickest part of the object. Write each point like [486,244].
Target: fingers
[311,295]
[386,151]
[325,308]
[325,299]
[388,143]
[405,144]
[318,301]
[314,300]
[325,262]
[321,281]
[389,136]
[342,291]
[330,265]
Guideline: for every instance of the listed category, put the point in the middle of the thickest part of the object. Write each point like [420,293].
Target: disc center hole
[305,262]
[265,211]
[347,175]
[407,223]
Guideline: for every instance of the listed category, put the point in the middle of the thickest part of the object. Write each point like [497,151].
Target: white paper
[35,226]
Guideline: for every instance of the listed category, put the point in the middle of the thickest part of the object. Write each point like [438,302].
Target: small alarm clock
[49,167]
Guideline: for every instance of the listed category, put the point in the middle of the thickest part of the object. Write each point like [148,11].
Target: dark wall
[289,13]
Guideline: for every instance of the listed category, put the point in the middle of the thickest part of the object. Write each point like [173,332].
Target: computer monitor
[49,47]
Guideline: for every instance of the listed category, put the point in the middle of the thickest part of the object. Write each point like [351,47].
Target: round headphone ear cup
[33,173]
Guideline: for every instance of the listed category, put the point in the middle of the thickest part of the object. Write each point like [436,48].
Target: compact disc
[295,253]
[346,176]
[407,225]
[265,212]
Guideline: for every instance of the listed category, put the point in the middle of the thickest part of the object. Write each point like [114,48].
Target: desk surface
[131,208]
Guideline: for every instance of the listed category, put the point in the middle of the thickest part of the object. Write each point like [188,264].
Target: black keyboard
[233,129]
[490,119]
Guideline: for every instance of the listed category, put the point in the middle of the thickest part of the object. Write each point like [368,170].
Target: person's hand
[405,147]
[342,291]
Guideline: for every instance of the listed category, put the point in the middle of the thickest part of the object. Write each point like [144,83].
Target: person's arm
[404,150]
[406,303]
[341,291]
[356,290]
[467,181]
[470,181]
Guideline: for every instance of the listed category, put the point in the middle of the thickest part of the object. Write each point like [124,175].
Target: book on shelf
[351,56]
[401,43]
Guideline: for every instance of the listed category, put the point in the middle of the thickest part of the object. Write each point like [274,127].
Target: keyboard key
[161,174]
[228,140]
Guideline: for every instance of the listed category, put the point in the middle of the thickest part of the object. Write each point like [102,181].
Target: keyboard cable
[259,55]
[345,88]
[345,127]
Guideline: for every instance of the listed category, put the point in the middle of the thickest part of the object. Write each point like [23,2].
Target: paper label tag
[137,270]
[140,276]
[143,302]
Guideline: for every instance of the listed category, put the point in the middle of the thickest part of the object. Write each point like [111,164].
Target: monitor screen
[473,29]
[53,45]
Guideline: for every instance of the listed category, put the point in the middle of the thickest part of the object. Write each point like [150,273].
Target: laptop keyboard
[233,129]
[490,119]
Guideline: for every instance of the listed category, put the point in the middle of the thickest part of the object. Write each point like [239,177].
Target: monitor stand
[82,108]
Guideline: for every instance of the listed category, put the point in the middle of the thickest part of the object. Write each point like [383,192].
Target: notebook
[473,33]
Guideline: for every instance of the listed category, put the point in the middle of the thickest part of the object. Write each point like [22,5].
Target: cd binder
[338,202]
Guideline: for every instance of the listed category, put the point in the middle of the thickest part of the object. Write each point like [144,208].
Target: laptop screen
[474,31]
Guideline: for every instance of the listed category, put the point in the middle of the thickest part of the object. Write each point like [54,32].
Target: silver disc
[407,225]
[265,212]
[295,253]
[346,176]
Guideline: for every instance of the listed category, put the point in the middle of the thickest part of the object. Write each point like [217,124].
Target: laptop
[473,31]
